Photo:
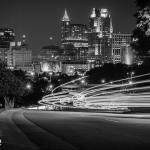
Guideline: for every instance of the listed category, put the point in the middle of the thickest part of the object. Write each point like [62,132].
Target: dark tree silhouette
[11,87]
[141,34]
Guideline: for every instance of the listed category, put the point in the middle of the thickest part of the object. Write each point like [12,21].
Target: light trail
[68,83]
[114,95]
[122,90]
[109,83]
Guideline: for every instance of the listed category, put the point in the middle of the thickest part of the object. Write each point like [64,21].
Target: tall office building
[49,53]
[119,40]
[3,54]
[75,35]
[19,57]
[7,36]
[65,27]
[100,34]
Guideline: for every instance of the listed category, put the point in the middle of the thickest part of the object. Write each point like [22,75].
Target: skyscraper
[73,37]
[19,57]
[119,40]
[100,34]
[65,27]
[7,36]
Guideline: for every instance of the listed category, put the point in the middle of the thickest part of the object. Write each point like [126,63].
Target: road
[33,130]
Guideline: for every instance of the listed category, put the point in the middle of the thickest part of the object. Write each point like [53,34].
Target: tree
[10,86]
[108,72]
[141,34]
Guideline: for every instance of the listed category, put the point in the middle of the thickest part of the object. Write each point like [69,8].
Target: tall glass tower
[100,34]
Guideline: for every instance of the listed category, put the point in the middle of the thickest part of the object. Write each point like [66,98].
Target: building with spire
[74,42]
[75,36]
[65,27]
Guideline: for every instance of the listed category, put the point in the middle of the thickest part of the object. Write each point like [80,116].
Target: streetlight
[50,87]
[103,81]
[130,82]
[32,73]
[51,38]
[131,75]
[28,86]
[83,81]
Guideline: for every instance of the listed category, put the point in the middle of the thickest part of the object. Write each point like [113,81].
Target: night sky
[40,19]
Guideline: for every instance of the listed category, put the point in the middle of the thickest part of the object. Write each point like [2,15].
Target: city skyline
[41,20]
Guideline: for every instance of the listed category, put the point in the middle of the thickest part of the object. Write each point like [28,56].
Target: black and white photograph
[74,74]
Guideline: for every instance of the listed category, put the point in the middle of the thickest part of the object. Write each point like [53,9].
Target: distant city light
[32,73]
[132,73]
[50,73]
[103,81]
[50,86]
[23,36]
[28,86]
[51,38]
[130,82]
[104,13]
[45,67]
[93,15]
[82,81]
[19,43]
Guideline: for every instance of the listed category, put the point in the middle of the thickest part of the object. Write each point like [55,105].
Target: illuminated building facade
[49,53]
[100,34]
[19,57]
[48,59]
[119,40]
[75,35]
[71,68]
[3,54]
[127,54]
[51,66]
[7,36]
[65,27]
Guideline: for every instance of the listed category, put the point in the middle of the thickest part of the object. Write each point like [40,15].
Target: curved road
[33,130]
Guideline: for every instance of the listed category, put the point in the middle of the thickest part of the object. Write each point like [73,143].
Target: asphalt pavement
[23,129]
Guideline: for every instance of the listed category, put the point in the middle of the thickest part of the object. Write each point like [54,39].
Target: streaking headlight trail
[115,94]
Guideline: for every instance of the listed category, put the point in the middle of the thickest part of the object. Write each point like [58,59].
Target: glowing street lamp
[32,73]
[51,38]
[50,87]
[103,81]
[130,82]
[28,86]
[83,81]
[132,73]
[50,73]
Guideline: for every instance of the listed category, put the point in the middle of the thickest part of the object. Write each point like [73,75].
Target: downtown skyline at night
[74,74]
[39,20]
